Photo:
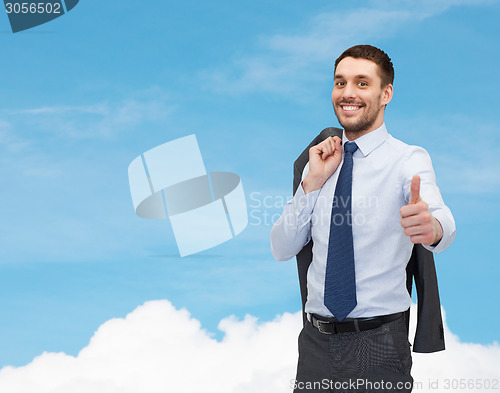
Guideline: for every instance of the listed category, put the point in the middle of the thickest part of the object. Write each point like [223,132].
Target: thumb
[415,190]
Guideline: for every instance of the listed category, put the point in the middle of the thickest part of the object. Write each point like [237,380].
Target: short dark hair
[378,56]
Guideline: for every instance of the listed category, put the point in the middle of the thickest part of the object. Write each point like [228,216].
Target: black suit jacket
[429,336]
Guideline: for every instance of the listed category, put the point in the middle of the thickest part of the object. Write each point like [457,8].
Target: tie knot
[350,147]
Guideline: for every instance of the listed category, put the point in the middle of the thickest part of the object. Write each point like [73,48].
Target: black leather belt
[332,326]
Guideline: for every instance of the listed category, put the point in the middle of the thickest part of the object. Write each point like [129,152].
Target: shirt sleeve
[419,163]
[292,231]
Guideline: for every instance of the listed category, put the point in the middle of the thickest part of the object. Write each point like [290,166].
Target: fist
[324,159]
[417,220]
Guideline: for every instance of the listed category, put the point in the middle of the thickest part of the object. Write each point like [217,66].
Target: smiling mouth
[350,108]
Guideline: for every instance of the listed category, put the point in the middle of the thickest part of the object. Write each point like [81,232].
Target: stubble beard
[364,123]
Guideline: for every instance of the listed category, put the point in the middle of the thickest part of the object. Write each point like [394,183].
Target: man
[364,201]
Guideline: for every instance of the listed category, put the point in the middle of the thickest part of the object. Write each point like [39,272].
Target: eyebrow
[360,76]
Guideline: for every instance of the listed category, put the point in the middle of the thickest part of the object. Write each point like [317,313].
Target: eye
[339,83]
[362,84]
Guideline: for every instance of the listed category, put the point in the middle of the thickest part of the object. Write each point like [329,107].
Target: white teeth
[350,108]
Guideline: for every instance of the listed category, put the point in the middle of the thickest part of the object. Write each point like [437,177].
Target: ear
[387,94]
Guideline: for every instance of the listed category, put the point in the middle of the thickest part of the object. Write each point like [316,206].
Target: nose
[349,91]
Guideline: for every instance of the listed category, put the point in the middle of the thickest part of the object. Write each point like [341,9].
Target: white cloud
[459,363]
[288,63]
[157,348]
[29,135]
[103,119]
[99,120]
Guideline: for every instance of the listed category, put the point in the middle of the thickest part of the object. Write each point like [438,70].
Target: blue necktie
[340,280]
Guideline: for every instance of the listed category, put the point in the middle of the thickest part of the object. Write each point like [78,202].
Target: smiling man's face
[358,96]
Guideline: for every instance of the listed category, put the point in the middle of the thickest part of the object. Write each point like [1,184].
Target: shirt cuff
[449,231]
[304,203]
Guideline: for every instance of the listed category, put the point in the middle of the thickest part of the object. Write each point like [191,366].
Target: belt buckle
[321,323]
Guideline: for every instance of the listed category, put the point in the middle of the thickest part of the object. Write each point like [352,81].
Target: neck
[356,134]
[353,135]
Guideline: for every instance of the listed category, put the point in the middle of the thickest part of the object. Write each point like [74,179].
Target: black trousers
[376,360]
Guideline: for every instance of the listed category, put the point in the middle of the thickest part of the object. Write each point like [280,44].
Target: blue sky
[85,94]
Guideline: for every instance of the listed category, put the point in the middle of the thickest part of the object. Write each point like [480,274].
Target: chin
[355,127]
[351,126]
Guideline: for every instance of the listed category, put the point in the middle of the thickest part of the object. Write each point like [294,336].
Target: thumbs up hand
[417,220]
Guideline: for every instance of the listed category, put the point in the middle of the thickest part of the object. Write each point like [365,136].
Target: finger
[409,210]
[415,190]
[326,148]
[416,230]
[417,239]
[410,221]
[336,138]
[420,229]
[320,150]
[426,239]
[338,144]
[332,144]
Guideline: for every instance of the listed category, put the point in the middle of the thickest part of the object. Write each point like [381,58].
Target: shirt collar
[369,142]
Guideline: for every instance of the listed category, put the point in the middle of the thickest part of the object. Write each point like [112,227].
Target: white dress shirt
[383,168]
